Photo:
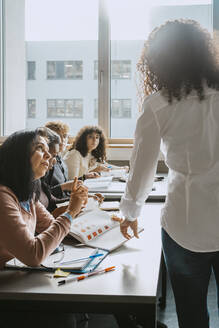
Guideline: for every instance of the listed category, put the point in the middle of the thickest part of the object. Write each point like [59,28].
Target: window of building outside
[31,70]
[31,108]
[61,70]
[65,108]
[121,108]
[120,69]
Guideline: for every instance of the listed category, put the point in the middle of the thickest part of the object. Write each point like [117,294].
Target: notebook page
[91,225]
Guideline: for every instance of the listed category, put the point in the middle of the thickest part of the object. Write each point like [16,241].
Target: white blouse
[77,164]
[188,131]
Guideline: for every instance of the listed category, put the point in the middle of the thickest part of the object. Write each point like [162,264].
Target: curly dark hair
[80,142]
[15,163]
[178,57]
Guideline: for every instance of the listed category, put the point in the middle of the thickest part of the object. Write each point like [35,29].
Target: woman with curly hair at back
[180,83]
[88,153]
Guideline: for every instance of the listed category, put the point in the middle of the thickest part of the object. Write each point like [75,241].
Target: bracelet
[68,216]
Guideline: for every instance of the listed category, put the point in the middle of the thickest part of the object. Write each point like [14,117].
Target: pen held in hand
[81,259]
[86,275]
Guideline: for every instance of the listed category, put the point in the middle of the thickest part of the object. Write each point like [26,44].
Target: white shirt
[77,164]
[188,131]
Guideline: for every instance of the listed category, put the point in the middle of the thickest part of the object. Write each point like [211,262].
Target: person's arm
[57,191]
[73,161]
[18,238]
[143,164]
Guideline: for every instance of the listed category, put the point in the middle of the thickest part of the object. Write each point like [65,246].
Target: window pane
[128,34]
[31,69]
[65,46]
[31,108]
[121,69]
[60,70]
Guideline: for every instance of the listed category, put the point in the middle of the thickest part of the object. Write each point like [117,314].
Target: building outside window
[65,70]
[31,108]
[120,69]
[121,108]
[31,70]
[65,108]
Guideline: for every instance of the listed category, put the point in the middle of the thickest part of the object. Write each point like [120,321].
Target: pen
[86,275]
[82,259]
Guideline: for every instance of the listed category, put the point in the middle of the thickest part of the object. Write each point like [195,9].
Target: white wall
[15,66]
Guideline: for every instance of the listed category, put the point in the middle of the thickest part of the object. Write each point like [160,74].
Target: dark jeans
[189,275]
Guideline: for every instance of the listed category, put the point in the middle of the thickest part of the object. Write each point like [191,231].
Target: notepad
[96,228]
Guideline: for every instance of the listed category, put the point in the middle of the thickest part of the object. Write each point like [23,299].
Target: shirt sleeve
[17,237]
[143,164]
[73,161]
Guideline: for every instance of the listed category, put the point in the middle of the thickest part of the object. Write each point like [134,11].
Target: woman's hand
[126,224]
[69,185]
[92,175]
[78,198]
[101,168]
[125,168]
[98,197]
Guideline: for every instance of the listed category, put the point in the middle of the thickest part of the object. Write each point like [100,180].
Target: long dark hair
[15,163]
[178,57]
[80,143]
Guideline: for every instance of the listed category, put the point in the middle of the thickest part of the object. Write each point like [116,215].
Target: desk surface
[134,281]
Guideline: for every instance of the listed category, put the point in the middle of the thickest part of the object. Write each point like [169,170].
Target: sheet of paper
[70,253]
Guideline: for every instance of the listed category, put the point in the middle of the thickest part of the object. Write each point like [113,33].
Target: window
[121,69]
[83,59]
[31,108]
[31,70]
[65,108]
[64,70]
[121,108]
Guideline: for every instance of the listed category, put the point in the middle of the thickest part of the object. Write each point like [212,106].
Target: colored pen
[86,275]
[82,259]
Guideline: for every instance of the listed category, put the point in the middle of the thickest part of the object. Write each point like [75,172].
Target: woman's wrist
[72,213]
[68,215]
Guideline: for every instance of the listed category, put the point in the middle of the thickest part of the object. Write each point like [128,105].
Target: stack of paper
[101,183]
[115,173]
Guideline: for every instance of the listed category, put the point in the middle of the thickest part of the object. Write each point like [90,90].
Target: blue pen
[82,259]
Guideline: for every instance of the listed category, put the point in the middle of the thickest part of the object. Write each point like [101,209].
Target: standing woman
[180,76]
